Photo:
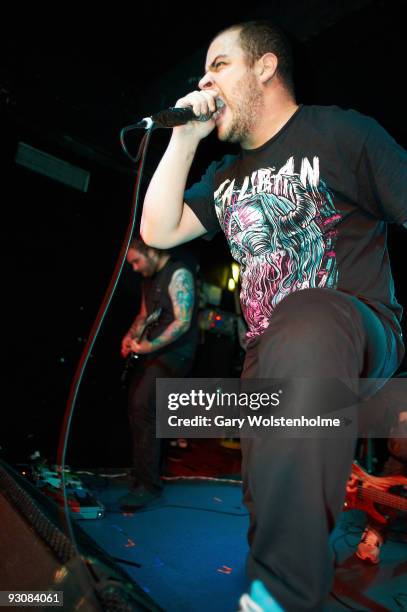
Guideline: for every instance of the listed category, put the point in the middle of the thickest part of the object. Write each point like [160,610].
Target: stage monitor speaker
[37,556]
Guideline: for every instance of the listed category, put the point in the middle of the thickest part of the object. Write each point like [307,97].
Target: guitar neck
[149,321]
[381,497]
[142,332]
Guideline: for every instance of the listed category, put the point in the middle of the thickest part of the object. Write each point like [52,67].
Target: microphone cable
[142,150]
[101,314]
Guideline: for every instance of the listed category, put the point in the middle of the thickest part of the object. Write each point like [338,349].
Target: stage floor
[187,549]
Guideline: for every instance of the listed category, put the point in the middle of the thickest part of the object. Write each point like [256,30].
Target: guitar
[133,357]
[364,491]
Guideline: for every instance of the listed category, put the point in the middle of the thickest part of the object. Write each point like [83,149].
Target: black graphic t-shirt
[309,208]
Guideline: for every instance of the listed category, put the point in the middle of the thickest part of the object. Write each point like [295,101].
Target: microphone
[171,117]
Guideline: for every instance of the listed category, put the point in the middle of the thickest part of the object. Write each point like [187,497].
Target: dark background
[68,84]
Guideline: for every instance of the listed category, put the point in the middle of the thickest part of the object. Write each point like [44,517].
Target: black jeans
[148,450]
[294,488]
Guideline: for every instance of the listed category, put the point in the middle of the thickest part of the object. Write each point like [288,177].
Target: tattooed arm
[182,294]
[139,320]
[134,330]
[181,291]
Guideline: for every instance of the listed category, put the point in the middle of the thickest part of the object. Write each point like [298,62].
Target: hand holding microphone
[197,106]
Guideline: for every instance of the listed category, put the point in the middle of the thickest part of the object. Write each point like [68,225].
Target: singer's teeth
[219,105]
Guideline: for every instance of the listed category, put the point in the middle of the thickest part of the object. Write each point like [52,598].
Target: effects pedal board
[81,503]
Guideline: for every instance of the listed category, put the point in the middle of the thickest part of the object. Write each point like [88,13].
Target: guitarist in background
[374,534]
[166,350]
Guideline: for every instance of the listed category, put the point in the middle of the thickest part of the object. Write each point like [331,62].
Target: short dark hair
[139,245]
[260,37]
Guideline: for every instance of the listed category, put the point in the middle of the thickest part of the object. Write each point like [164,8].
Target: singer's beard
[247,102]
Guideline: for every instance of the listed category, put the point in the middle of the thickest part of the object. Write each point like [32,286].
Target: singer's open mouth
[221,106]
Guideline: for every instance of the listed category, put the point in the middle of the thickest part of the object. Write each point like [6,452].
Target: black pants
[147,449]
[294,488]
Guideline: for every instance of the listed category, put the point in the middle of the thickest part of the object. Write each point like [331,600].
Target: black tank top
[156,295]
